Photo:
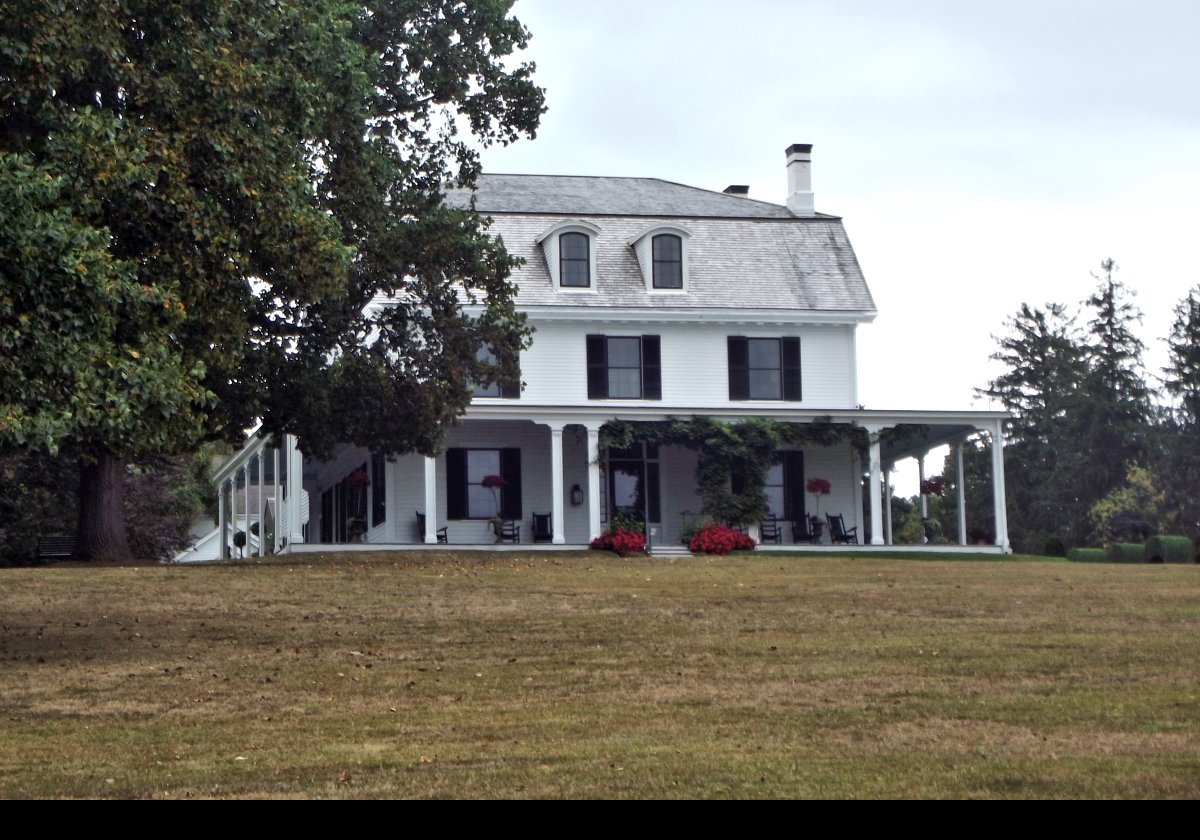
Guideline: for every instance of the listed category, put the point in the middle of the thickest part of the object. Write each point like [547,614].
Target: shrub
[1120,552]
[621,541]
[719,539]
[1169,549]
[1087,555]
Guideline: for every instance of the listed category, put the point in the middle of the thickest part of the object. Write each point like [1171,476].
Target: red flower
[493,481]
[358,478]
[819,486]
[719,539]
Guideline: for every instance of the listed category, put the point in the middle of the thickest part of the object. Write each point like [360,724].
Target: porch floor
[313,548]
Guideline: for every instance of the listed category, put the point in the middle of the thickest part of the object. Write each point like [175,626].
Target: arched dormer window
[570,251]
[662,255]
[667,253]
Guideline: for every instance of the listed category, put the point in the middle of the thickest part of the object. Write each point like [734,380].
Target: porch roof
[929,429]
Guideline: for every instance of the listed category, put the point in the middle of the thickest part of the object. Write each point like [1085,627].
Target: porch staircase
[670,550]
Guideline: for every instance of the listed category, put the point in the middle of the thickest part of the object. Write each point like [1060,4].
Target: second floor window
[764,368]
[624,367]
[574,260]
[507,388]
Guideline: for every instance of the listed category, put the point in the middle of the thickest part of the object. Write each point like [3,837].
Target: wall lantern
[576,495]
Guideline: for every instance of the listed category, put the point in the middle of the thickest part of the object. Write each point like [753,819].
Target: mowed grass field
[585,675]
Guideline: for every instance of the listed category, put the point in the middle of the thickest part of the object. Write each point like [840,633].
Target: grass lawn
[586,675]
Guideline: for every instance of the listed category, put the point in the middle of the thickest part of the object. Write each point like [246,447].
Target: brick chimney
[799,169]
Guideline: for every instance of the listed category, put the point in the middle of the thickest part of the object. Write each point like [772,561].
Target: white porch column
[262,520]
[920,492]
[246,508]
[295,491]
[392,506]
[873,454]
[1001,504]
[887,503]
[278,527]
[431,500]
[556,485]
[962,493]
[593,493]
[222,524]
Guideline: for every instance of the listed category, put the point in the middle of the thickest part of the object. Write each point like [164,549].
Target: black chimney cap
[799,147]
[737,189]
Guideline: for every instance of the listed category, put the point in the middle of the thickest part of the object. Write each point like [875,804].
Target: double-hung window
[764,368]
[667,250]
[575,260]
[483,483]
[623,367]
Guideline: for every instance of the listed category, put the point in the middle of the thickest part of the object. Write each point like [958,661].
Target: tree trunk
[101,532]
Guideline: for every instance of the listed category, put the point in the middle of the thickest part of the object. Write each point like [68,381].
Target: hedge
[1125,553]
[1169,549]
[1087,555]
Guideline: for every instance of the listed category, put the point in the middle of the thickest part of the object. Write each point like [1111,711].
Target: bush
[1120,552]
[1087,555]
[621,541]
[1169,549]
[719,539]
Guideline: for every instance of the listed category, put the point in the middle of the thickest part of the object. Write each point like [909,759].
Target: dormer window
[574,260]
[570,251]
[662,255]
[668,261]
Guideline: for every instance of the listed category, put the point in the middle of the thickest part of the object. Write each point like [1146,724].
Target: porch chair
[838,534]
[543,527]
[509,531]
[807,529]
[769,530]
[441,532]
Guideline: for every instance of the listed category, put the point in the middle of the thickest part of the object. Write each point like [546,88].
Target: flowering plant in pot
[495,483]
[818,487]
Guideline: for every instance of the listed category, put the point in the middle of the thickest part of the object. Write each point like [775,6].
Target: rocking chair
[838,533]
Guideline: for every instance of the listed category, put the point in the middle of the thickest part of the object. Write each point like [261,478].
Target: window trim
[551,244]
[598,367]
[790,369]
[643,249]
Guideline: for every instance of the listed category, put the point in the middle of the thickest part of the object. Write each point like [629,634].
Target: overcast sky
[982,153]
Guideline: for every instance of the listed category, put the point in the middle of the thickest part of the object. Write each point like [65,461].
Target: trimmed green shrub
[1169,549]
[1087,555]
[1120,552]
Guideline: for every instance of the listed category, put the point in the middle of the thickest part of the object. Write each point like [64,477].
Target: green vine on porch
[746,449]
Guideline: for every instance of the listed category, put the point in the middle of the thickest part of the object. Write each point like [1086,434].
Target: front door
[633,483]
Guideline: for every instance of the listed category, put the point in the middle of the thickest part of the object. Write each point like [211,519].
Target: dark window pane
[667,250]
[764,353]
[574,259]
[764,385]
[625,352]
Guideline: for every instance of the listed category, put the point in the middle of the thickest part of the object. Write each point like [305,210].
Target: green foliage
[1123,552]
[1170,549]
[201,200]
[1130,512]
[1087,555]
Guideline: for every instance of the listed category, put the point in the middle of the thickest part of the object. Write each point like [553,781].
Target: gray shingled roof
[743,253]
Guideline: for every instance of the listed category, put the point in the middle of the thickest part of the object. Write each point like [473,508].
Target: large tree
[1045,370]
[207,198]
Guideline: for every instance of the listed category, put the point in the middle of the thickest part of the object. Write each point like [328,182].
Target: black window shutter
[791,369]
[378,490]
[793,484]
[597,367]
[739,368]
[510,494]
[651,368]
[456,484]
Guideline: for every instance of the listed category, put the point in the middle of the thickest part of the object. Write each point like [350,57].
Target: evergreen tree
[1042,386]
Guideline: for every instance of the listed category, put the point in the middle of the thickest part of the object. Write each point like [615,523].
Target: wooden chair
[442,536]
[543,527]
[807,529]
[509,531]
[769,530]
[838,534]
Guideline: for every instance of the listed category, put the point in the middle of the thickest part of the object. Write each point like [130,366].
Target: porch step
[668,550]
